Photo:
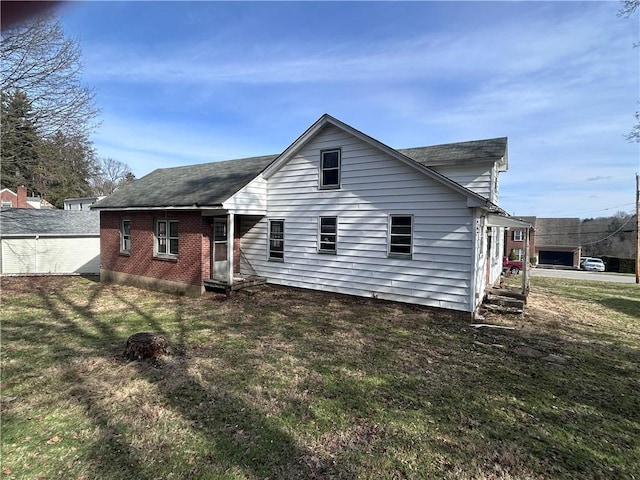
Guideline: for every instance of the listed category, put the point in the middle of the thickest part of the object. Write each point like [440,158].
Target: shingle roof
[33,221]
[206,184]
[211,184]
[492,149]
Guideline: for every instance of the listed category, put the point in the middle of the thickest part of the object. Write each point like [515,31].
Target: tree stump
[145,345]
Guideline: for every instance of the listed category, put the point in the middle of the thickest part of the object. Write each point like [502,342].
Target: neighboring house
[49,241]
[21,199]
[83,203]
[336,211]
[552,241]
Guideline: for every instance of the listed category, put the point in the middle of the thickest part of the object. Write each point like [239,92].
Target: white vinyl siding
[59,255]
[250,200]
[374,186]
[477,177]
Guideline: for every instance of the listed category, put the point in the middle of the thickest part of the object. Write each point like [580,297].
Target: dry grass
[286,383]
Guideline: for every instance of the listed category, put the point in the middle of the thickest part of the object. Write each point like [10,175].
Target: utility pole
[637,227]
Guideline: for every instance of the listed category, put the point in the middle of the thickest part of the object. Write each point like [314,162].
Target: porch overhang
[495,220]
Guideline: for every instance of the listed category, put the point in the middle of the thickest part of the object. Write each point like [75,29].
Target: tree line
[48,116]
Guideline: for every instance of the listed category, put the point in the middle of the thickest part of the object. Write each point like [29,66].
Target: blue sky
[190,82]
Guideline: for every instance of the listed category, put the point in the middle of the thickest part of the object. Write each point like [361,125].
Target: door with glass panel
[220,243]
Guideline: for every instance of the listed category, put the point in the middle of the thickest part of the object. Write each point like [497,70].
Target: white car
[593,264]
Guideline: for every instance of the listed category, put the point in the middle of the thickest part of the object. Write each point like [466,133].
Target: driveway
[582,275]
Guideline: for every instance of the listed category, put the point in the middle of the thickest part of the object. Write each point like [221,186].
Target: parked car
[511,266]
[582,259]
[594,265]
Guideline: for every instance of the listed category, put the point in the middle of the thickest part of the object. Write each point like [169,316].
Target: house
[81,203]
[11,199]
[49,241]
[337,211]
[552,241]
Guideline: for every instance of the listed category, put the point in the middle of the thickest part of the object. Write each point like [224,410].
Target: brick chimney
[22,197]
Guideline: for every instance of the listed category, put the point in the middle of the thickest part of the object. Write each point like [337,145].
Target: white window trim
[269,257]
[335,241]
[321,186]
[122,236]
[398,254]
[157,252]
[519,234]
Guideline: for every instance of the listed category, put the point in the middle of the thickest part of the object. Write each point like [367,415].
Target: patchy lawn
[285,383]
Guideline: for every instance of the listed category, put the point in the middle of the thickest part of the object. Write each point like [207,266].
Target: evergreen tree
[20,140]
[66,164]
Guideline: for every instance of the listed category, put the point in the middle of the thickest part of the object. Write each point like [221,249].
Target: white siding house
[337,211]
[448,237]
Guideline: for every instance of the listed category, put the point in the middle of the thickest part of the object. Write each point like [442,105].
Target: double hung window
[327,234]
[330,169]
[167,238]
[125,236]
[276,240]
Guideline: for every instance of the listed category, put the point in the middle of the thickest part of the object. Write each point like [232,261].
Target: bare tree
[38,59]
[629,7]
[110,175]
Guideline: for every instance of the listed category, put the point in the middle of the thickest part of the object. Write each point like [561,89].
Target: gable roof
[192,186]
[474,199]
[461,153]
[27,221]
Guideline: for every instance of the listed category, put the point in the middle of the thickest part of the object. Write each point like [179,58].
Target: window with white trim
[327,234]
[518,235]
[167,238]
[330,169]
[518,253]
[276,240]
[6,204]
[401,235]
[125,235]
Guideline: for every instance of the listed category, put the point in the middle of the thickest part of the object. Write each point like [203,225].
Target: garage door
[556,258]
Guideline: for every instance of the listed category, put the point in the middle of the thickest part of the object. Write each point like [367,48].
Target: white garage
[49,242]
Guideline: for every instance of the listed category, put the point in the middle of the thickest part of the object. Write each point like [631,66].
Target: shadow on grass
[241,438]
[623,305]
[407,391]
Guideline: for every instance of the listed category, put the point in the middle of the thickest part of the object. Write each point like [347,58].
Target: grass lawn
[281,383]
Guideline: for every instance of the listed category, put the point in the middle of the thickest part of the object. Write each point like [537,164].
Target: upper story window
[125,236]
[330,169]
[6,204]
[167,238]
[518,236]
[327,234]
[401,235]
[276,240]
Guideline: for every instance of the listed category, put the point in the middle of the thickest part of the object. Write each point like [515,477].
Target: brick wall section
[511,244]
[192,264]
